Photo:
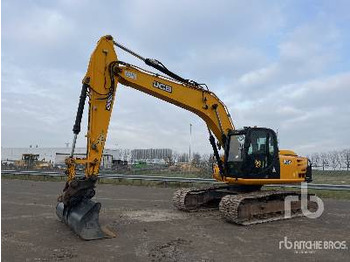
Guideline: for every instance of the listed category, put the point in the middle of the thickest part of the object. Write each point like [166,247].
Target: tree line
[335,160]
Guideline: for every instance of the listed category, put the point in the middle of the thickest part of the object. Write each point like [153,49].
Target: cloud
[313,113]
[273,65]
[306,52]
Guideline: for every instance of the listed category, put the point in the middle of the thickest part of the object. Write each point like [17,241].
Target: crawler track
[239,207]
[199,199]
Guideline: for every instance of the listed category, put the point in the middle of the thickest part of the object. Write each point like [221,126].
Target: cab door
[261,156]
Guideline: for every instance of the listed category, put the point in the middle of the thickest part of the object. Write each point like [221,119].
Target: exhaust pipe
[83,219]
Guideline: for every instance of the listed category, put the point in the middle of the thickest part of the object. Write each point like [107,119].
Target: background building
[56,155]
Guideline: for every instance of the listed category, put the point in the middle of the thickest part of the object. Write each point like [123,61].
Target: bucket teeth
[82,218]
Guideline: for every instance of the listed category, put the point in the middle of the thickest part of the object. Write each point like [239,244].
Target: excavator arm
[75,207]
[104,72]
[253,161]
[99,86]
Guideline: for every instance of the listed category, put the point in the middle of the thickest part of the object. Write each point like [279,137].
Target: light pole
[189,150]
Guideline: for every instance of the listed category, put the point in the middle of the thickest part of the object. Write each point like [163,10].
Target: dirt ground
[149,229]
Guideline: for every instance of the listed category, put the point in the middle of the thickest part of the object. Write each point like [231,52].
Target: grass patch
[32,177]
[333,194]
[120,181]
[116,181]
[331,177]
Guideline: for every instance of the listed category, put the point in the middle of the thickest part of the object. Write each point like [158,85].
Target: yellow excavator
[246,159]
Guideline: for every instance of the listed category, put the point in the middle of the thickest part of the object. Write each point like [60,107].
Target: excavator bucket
[83,219]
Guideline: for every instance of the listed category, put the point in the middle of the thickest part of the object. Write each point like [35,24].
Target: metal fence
[344,187]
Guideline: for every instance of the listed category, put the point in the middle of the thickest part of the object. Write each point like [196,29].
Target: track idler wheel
[83,219]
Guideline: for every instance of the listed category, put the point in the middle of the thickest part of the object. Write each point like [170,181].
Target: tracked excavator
[246,159]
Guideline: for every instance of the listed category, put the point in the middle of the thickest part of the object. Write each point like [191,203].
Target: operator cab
[252,153]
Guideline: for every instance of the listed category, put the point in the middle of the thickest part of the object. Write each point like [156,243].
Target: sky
[278,64]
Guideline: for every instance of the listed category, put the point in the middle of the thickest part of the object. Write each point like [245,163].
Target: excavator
[246,159]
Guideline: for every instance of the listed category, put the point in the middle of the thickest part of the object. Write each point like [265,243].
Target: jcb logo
[162,86]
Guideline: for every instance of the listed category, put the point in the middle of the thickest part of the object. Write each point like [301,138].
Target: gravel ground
[148,228]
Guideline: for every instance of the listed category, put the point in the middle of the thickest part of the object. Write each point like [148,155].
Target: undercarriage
[244,205]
